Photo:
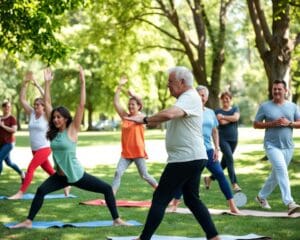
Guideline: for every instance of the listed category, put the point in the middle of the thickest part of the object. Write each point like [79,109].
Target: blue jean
[5,156]
[228,148]
[185,176]
[280,160]
[215,168]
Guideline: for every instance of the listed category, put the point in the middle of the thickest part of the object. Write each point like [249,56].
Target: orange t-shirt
[133,143]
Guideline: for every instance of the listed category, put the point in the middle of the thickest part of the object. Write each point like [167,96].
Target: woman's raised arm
[48,77]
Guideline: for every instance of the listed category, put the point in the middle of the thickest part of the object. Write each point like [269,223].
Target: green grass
[92,138]
[251,174]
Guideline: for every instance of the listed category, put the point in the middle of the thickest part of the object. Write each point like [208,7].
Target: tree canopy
[29,27]
[229,45]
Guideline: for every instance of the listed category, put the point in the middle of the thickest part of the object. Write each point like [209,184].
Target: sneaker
[237,188]
[293,207]
[262,202]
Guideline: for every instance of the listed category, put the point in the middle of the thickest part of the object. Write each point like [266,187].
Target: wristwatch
[145,120]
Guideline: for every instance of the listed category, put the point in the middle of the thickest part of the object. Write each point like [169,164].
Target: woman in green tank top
[63,133]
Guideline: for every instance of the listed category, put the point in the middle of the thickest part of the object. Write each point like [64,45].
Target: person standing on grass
[210,132]
[38,126]
[228,117]
[8,126]
[278,117]
[186,154]
[63,135]
[133,143]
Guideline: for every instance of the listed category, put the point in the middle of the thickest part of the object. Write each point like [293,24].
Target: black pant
[185,176]
[87,182]
[228,148]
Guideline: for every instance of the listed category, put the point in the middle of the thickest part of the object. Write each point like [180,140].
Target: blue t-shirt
[210,122]
[280,137]
[228,132]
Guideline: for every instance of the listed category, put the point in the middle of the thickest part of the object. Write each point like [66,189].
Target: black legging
[185,176]
[87,182]
[228,148]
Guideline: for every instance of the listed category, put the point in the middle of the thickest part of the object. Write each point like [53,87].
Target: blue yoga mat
[29,196]
[223,237]
[58,224]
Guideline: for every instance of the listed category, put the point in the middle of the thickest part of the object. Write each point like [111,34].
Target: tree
[29,27]
[188,28]
[274,46]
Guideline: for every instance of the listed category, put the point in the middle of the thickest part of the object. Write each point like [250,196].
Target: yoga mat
[58,224]
[223,237]
[120,203]
[244,212]
[29,196]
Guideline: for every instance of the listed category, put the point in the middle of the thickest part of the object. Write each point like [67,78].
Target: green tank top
[64,156]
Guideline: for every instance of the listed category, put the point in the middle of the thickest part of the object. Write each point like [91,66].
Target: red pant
[40,158]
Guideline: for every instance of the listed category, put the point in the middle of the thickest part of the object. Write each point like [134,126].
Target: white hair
[201,87]
[182,73]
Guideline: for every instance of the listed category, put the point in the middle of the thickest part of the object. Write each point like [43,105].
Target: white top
[184,138]
[37,131]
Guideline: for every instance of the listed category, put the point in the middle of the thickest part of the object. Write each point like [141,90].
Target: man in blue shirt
[278,116]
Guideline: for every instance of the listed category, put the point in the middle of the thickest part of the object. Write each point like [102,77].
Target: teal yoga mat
[59,224]
[29,196]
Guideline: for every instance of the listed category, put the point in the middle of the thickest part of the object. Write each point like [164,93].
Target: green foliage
[29,27]
[65,88]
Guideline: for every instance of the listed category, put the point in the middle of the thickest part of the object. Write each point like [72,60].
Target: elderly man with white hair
[186,154]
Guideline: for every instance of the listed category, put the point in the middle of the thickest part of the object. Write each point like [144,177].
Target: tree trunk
[90,118]
[275,47]
[18,116]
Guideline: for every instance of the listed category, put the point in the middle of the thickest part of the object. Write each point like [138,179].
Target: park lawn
[93,138]
[251,174]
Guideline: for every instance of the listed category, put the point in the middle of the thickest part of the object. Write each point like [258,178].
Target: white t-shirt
[37,131]
[184,138]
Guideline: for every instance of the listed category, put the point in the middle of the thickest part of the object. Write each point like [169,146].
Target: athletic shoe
[237,188]
[293,207]
[263,202]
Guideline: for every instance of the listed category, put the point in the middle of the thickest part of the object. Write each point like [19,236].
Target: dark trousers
[87,182]
[185,176]
[228,148]
[215,168]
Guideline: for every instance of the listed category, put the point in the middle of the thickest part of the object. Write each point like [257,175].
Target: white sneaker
[293,207]
[262,202]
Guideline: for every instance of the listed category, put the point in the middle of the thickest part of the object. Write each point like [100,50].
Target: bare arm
[75,125]
[215,137]
[280,122]
[28,109]
[120,110]
[162,116]
[225,119]
[295,124]
[47,96]
[38,86]
[11,129]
